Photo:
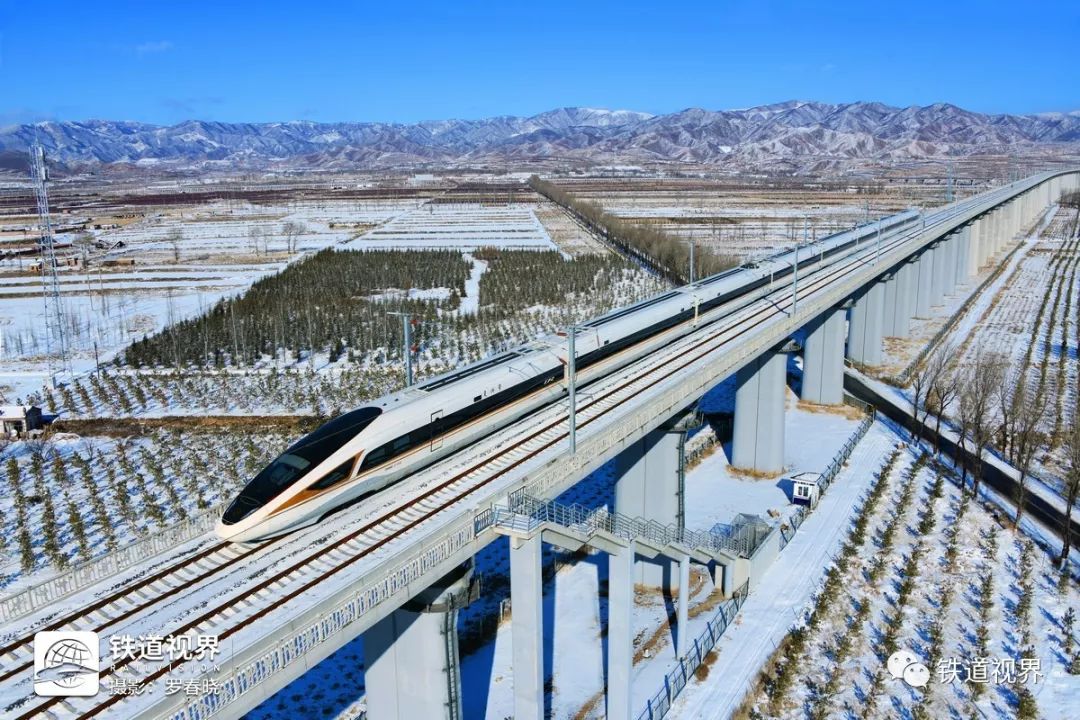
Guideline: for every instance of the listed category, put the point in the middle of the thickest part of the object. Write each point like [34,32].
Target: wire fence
[659,704]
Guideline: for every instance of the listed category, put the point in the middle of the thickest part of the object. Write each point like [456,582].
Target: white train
[363,451]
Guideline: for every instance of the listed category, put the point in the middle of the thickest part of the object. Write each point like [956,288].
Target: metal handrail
[545,480]
[659,704]
[92,571]
[525,513]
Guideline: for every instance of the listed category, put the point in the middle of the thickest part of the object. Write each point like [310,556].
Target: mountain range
[785,132]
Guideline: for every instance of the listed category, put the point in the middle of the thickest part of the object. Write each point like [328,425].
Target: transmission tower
[55,339]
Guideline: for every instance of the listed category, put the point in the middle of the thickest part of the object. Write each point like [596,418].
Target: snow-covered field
[468,227]
[931,572]
[745,223]
[1031,322]
[70,499]
[161,268]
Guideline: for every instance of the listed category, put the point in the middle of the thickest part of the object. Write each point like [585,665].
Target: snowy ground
[745,223]
[1027,315]
[438,226]
[575,605]
[575,609]
[94,494]
[183,262]
[913,581]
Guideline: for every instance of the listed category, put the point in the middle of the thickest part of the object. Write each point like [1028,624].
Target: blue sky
[167,61]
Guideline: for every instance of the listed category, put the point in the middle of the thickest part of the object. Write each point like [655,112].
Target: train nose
[231,532]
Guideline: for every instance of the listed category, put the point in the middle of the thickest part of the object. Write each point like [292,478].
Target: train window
[478,398]
[335,476]
[374,457]
[305,453]
[400,444]
[330,437]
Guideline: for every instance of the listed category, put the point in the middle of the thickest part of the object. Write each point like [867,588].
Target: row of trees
[79,501]
[336,303]
[319,303]
[667,255]
[994,407]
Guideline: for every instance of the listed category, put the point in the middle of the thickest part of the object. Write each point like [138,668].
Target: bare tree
[292,231]
[1028,412]
[944,386]
[1010,393]
[933,389]
[253,235]
[1072,482]
[980,388]
[174,238]
[920,386]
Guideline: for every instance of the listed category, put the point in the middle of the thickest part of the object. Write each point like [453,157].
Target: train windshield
[300,457]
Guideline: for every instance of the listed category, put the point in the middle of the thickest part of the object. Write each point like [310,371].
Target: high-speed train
[363,451]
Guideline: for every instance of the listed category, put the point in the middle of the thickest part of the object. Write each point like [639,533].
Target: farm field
[743,220]
[1037,332]
[69,499]
[119,284]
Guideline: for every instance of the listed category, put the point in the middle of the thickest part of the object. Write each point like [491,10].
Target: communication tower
[55,339]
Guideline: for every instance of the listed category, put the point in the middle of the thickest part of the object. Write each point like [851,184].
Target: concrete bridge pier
[964,269]
[996,232]
[412,667]
[527,626]
[650,486]
[620,636]
[986,238]
[937,278]
[924,281]
[823,359]
[977,231]
[898,312]
[892,287]
[909,274]
[865,326]
[948,280]
[758,439]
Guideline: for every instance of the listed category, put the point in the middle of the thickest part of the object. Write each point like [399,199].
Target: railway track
[128,601]
[500,456]
[237,612]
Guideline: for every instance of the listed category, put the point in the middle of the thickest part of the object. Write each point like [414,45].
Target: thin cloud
[152,47]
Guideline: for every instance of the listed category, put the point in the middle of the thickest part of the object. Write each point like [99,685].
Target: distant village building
[421,180]
[16,420]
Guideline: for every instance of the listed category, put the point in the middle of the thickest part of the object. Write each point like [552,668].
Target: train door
[436,430]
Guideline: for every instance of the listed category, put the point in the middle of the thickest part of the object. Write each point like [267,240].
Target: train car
[364,451]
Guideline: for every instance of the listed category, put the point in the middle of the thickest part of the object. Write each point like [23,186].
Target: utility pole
[877,252]
[406,324]
[571,381]
[692,244]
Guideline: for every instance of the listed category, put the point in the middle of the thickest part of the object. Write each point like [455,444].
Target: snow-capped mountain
[790,130]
